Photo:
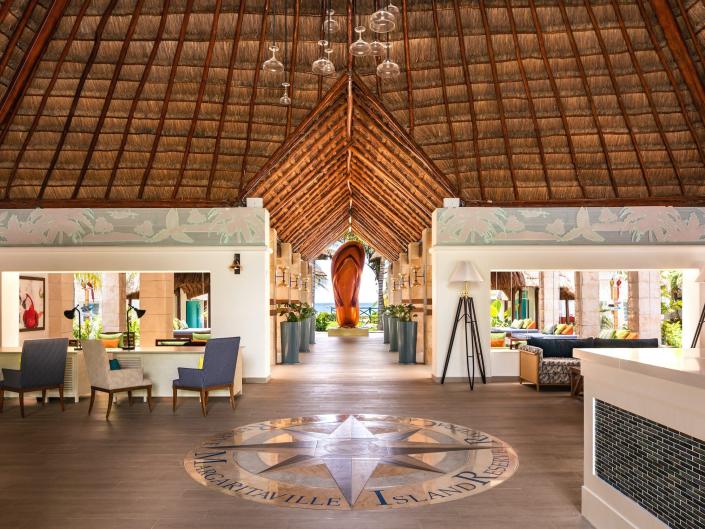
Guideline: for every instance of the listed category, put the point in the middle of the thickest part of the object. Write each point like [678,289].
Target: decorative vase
[407,342]
[385,327]
[290,341]
[305,332]
[312,330]
[393,333]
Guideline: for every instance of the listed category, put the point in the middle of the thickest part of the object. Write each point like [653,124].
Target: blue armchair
[219,362]
[43,366]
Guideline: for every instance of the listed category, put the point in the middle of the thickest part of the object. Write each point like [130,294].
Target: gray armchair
[43,365]
[219,362]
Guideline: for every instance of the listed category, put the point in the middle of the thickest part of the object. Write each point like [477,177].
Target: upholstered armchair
[43,366]
[219,363]
[544,371]
[112,381]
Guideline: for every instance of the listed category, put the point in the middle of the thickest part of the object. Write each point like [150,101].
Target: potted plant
[406,334]
[392,320]
[384,314]
[312,328]
[290,332]
[306,313]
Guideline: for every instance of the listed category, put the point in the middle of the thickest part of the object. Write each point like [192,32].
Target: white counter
[160,365]
[635,400]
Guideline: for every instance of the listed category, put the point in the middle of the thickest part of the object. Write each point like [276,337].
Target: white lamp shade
[701,277]
[465,272]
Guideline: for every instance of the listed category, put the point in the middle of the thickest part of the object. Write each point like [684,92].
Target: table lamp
[69,315]
[464,274]
[129,342]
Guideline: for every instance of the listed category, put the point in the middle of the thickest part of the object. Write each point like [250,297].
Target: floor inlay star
[352,462]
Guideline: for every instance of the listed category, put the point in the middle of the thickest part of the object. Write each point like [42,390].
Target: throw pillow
[516,324]
[497,339]
[606,334]
[550,329]
[532,325]
[114,364]
[111,336]
[110,344]
[200,363]
[200,337]
[622,334]
[560,328]
[525,323]
[568,330]
[632,336]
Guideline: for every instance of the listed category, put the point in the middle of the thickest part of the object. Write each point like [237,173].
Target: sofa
[547,362]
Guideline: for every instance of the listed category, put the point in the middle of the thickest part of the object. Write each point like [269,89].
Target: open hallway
[128,473]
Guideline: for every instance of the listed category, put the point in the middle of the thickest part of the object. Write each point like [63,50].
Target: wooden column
[61,296]
[157,298]
[587,304]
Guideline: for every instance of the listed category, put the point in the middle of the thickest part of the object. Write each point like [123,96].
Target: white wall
[9,309]
[240,303]
[605,257]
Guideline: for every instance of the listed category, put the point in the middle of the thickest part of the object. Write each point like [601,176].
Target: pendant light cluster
[381,23]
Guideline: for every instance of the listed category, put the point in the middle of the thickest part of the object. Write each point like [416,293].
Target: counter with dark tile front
[644,419]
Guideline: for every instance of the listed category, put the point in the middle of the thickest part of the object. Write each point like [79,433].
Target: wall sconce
[277,276]
[295,280]
[304,284]
[405,283]
[235,266]
[417,275]
[395,285]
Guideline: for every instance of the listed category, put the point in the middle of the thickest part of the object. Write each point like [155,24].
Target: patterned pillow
[560,328]
[568,330]
[606,334]
[621,334]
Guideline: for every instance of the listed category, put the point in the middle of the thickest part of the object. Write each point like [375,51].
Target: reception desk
[644,465]
[159,364]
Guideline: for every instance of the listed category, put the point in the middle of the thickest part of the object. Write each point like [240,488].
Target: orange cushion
[497,342]
[532,325]
[568,330]
[111,344]
[632,336]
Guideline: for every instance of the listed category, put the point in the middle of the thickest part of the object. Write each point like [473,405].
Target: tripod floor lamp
[466,273]
[700,279]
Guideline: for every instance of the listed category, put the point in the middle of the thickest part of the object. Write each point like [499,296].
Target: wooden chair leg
[129,398]
[90,406]
[203,402]
[21,397]
[173,401]
[110,404]
[149,398]
[61,397]
[232,396]
[44,396]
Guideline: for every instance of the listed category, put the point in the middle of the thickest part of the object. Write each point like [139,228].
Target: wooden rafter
[16,34]
[293,62]
[407,66]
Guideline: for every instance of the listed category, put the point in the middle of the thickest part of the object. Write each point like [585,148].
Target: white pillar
[10,309]
[645,303]
[587,303]
[549,298]
[693,299]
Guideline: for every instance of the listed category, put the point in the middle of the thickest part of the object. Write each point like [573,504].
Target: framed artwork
[32,303]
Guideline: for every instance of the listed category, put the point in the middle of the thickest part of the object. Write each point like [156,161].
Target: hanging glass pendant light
[376,48]
[285,99]
[329,67]
[330,25]
[323,65]
[383,21]
[360,48]
[273,64]
[394,10]
[387,69]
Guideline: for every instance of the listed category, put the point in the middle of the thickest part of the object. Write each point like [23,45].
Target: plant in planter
[386,311]
[392,319]
[290,332]
[407,334]
[306,314]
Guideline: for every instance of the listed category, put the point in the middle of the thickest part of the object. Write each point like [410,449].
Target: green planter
[407,341]
[385,327]
[290,341]
[393,330]
[312,330]
[305,331]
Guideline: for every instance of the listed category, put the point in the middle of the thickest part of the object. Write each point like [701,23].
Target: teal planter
[305,331]
[312,330]
[290,341]
[407,341]
[385,327]
[393,334]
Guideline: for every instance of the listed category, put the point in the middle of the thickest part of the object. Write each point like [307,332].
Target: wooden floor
[71,471]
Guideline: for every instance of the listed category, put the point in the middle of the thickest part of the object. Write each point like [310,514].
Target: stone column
[549,298]
[587,304]
[113,302]
[157,298]
[644,303]
[61,293]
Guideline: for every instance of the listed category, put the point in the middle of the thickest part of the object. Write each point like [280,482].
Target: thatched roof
[146,102]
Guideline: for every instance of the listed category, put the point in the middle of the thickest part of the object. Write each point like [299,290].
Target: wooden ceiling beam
[11,44]
[387,225]
[45,97]
[5,10]
[136,98]
[35,49]
[108,97]
[105,17]
[314,248]
[167,97]
[471,100]
[293,62]
[377,238]
[679,50]
[647,92]
[299,228]
[253,96]
[199,98]
[407,66]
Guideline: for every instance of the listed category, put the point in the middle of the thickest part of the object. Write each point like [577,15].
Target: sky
[368,285]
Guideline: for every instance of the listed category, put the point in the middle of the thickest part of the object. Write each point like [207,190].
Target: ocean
[330,307]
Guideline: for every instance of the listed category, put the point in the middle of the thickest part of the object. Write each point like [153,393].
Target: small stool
[576,381]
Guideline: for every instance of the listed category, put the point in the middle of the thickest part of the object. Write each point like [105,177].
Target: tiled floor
[74,471]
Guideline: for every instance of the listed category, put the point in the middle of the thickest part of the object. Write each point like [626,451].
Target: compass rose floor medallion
[343,462]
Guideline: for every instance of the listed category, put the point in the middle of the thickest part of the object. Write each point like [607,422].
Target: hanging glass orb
[285,99]
[319,65]
[360,48]
[382,21]
[273,64]
[329,67]
[330,25]
[376,48]
[394,10]
[387,69]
